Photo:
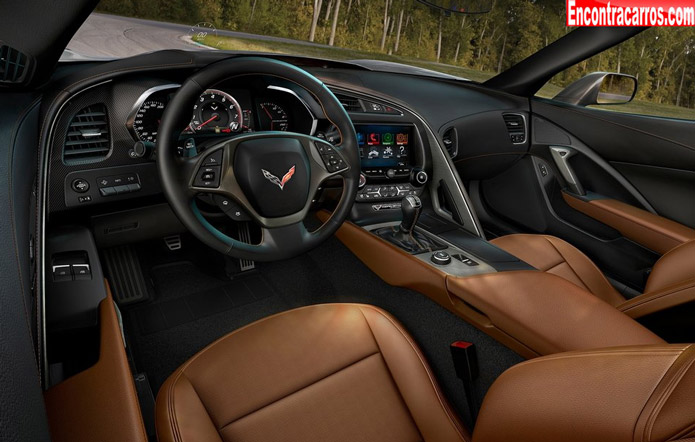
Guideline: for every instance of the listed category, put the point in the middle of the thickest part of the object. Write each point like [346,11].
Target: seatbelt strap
[466,366]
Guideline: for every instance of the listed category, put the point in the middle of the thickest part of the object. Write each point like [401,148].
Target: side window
[661,59]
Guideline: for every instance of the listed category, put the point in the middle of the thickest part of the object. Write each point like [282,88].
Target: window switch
[82,272]
[62,273]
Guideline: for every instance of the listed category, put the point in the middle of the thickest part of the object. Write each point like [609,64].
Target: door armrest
[652,231]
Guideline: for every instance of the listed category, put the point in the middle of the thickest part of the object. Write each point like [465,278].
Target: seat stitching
[400,394]
[415,349]
[668,390]
[297,391]
[649,297]
[568,264]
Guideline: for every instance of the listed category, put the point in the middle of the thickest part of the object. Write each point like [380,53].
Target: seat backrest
[629,394]
[675,267]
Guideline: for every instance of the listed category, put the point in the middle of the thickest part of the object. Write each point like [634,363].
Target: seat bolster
[676,266]
[180,414]
[554,255]
[629,394]
[415,381]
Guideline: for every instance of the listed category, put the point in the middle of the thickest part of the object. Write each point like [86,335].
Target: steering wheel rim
[283,234]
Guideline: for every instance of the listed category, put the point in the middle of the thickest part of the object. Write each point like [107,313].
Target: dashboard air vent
[88,135]
[450,142]
[13,65]
[516,126]
[351,104]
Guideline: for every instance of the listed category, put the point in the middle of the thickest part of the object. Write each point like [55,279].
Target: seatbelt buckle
[465,360]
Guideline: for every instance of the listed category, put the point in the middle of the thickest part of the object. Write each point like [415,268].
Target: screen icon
[360,138]
[373,139]
[401,138]
[387,138]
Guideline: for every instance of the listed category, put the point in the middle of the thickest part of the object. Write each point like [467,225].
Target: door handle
[561,155]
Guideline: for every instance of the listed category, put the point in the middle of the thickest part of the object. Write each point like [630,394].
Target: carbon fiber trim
[118,98]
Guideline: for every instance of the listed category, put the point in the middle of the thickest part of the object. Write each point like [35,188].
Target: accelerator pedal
[245,236]
[125,275]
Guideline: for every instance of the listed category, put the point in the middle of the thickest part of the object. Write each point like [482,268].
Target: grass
[336,53]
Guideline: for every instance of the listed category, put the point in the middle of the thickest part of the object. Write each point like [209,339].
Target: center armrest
[547,313]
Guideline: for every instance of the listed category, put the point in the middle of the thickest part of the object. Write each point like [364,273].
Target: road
[111,36]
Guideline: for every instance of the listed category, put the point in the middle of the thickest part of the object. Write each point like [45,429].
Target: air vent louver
[516,126]
[13,65]
[88,135]
[351,104]
[450,142]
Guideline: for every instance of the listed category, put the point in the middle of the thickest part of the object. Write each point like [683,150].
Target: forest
[661,58]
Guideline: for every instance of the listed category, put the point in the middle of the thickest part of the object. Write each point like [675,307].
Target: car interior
[329,251]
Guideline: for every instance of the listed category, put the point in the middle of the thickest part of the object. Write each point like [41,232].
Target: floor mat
[169,313]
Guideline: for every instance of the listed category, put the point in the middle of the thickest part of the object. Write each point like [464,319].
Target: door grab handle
[561,155]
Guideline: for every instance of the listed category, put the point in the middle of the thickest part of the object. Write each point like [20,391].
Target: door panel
[646,165]
[656,155]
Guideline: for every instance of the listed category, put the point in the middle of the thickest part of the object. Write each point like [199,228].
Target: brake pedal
[173,242]
[245,236]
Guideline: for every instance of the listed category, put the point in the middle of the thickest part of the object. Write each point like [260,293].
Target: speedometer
[146,121]
[217,112]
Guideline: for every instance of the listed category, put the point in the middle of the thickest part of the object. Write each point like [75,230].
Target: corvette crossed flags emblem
[277,181]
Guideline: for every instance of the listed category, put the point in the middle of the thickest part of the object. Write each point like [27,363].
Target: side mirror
[460,6]
[599,88]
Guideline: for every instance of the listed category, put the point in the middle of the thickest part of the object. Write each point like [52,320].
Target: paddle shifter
[410,207]
[405,236]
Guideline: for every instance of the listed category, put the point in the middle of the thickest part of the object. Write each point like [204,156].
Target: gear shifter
[405,236]
[410,207]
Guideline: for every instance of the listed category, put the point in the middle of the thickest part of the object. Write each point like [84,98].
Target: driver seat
[350,372]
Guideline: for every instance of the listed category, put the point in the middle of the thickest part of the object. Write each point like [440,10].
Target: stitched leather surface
[22,415]
[327,372]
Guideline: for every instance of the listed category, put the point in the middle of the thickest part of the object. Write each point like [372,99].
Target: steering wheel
[273,176]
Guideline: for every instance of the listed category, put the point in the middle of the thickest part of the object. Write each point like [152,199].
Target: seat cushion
[325,372]
[553,255]
[639,393]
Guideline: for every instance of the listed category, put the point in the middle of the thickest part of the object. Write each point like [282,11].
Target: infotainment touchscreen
[383,145]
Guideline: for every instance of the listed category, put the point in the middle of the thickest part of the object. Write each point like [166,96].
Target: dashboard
[101,156]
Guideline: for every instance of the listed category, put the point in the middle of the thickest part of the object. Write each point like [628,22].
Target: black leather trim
[22,414]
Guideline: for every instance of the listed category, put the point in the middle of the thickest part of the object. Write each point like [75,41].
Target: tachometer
[217,112]
[273,117]
[146,121]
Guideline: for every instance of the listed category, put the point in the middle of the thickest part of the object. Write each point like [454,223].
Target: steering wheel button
[214,159]
[208,177]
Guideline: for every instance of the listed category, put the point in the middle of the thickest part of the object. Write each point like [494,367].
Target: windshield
[396,33]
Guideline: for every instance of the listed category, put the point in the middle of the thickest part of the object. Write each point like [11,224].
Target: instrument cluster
[223,112]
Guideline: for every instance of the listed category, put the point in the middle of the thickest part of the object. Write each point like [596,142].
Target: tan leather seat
[672,280]
[622,394]
[336,372]
[346,372]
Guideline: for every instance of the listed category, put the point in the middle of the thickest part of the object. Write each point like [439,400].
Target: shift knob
[410,206]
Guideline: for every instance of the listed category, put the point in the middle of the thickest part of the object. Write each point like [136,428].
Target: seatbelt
[466,366]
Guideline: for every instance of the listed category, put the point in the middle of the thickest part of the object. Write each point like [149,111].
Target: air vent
[14,65]
[516,126]
[351,104]
[450,142]
[88,135]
